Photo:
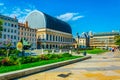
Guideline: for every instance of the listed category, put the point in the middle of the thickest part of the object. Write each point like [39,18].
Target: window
[8,36]
[14,37]
[11,30]
[5,24]
[50,37]
[4,36]
[61,39]
[14,31]
[21,33]
[46,36]
[11,36]
[24,34]
[8,24]
[56,38]
[11,25]
[53,37]
[15,25]
[4,30]
[8,30]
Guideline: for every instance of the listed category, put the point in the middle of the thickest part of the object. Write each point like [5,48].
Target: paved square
[100,67]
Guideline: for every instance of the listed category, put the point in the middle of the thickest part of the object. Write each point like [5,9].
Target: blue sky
[82,15]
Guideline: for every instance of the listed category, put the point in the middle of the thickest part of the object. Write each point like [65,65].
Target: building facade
[10,30]
[103,40]
[82,41]
[28,34]
[51,32]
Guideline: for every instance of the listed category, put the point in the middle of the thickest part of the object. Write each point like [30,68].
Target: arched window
[46,36]
[50,37]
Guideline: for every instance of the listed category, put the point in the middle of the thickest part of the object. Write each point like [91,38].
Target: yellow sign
[19,46]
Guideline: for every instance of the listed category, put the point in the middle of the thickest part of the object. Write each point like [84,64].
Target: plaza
[101,67]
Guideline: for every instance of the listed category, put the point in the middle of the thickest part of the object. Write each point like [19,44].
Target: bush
[7,61]
[14,51]
[54,56]
[66,55]
[2,52]
[29,59]
[44,57]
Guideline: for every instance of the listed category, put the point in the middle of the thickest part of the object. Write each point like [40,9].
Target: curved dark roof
[56,24]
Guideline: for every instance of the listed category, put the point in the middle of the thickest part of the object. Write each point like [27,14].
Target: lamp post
[78,40]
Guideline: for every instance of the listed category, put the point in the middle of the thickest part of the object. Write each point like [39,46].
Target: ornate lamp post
[78,40]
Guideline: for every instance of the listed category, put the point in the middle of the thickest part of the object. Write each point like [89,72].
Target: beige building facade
[80,42]
[28,34]
[48,38]
[103,40]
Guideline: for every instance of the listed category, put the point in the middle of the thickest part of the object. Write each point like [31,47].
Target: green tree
[117,40]
[1,28]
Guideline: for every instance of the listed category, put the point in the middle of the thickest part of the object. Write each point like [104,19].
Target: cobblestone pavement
[100,67]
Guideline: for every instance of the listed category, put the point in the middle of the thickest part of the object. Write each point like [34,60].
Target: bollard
[84,53]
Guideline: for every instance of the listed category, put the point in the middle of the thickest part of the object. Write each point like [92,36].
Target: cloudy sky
[82,15]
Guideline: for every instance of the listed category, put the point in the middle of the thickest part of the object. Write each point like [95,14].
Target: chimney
[26,24]
[15,17]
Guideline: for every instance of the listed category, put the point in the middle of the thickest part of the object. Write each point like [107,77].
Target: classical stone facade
[51,32]
[48,38]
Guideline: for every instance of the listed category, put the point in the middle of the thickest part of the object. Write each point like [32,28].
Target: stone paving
[101,67]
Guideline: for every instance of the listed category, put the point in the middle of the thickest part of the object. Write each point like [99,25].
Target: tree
[1,28]
[117,40]
[7,45]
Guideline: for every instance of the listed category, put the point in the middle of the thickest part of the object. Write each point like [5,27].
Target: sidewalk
[101,67]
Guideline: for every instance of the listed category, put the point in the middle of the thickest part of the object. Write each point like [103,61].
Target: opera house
[51,32]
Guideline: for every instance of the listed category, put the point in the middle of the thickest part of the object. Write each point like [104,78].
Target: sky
[82,15]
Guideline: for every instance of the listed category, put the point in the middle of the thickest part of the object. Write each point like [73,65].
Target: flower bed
[13,63]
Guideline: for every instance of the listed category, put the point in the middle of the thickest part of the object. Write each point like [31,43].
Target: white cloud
[70,16]
[1,4]
[20,13]
[28,10]
[77,17]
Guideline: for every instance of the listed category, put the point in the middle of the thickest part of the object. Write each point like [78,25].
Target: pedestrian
[113,50]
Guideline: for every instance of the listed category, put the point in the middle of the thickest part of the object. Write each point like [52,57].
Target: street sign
[19,46]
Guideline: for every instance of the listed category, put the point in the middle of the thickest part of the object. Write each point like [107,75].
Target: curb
[28,71]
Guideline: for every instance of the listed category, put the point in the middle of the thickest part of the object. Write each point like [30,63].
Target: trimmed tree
[117,40]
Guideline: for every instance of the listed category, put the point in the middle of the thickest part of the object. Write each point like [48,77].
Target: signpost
[19,46]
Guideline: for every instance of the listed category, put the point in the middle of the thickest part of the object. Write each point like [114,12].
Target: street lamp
[78,40]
